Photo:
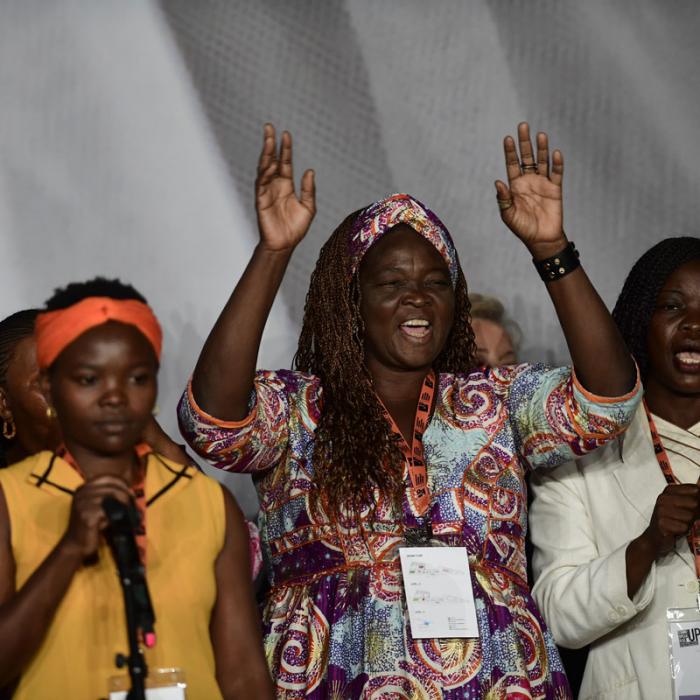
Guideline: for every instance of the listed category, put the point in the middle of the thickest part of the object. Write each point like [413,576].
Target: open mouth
[688,360]
[416,328]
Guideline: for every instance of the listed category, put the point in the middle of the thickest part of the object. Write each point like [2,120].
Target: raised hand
[283,218]
[531,202]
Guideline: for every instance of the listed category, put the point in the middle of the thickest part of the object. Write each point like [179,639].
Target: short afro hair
[98,287]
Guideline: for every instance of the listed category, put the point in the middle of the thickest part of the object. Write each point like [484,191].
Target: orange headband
[54,330]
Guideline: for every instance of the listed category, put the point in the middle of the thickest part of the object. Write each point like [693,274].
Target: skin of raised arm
[223,377]
[601,359]
[602,362]
[241,670]
[25,615]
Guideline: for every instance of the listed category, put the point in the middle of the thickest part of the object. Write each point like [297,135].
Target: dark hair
[75,292]
[635,305]
[98,287]
[354,450]
[13,329]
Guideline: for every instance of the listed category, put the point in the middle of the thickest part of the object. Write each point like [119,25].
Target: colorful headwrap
[378,218]
[55,330]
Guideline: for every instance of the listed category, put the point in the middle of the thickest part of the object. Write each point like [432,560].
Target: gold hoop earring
[9,429]
[155,411]
[50,412]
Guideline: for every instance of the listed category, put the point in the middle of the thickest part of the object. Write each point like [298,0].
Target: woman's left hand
[531,202]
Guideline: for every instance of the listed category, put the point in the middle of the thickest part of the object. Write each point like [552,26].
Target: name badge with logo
[684,651]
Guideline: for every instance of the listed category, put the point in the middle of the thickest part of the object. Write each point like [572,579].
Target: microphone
[123,522]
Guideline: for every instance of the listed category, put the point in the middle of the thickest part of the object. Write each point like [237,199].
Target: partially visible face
[407,302]
[22,399]
[673,338]
[494,346]
[103,387]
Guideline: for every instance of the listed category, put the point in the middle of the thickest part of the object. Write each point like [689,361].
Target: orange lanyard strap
[665,465]
[418,493]
[138,491]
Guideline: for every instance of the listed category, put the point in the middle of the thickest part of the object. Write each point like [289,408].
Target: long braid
[635,305]
[354,450]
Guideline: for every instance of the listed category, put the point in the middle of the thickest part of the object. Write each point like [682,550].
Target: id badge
[684,652]
[439,592]
[161,684]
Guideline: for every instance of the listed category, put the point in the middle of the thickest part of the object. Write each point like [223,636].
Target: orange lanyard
[138,491]
[418,493]
[665,465]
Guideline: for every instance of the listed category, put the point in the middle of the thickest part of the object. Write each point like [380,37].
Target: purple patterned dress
[335,622]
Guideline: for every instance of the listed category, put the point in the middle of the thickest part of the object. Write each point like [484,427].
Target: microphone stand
[138,670]
[137,603]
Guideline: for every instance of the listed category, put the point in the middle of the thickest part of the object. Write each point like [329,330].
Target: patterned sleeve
[554,418]
[254,444]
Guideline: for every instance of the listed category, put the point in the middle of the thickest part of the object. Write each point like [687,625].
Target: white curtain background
[129,133]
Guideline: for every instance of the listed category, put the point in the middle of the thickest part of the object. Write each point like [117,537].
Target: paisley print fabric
[379,218]
[335,622]
[256,560]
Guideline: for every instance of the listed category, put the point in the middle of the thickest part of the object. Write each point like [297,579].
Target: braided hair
[13,329]
[354,450]
[637,300]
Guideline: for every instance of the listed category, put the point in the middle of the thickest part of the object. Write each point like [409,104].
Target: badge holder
[420,536]
[161,684]
[684,652]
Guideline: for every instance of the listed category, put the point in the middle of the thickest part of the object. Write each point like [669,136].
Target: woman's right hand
[676,509]
[87,517]
[283,219]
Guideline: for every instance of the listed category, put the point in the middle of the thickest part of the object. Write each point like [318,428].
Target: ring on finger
[504,204]
[529,167]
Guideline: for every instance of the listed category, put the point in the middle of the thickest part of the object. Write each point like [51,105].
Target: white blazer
[583,516]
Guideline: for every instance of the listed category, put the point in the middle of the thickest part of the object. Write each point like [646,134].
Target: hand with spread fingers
[531,207]
[283,218]
[223,378]
[531,202]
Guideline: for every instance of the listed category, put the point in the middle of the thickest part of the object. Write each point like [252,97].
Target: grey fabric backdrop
[129,134]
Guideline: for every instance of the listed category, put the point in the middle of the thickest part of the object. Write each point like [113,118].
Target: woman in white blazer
[609,531]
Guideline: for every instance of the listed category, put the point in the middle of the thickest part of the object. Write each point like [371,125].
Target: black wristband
[558,265]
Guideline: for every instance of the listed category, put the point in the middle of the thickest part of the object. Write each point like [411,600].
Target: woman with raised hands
[62,618]
[387,435]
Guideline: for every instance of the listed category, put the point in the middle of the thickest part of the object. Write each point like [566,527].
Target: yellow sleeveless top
[185,527]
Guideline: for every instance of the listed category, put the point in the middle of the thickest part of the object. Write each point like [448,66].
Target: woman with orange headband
[62,619]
